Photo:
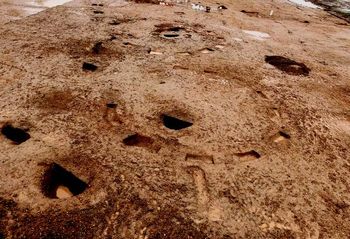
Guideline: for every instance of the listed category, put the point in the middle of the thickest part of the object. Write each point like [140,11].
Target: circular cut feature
[289,66]
[60,183]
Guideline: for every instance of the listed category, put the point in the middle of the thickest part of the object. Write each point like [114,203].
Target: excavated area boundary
[142,120]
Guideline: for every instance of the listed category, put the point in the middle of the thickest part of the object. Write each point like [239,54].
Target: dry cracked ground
[143,120]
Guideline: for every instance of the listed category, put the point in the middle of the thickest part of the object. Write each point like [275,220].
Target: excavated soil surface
[143,120]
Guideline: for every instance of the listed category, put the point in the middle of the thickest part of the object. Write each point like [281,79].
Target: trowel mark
[201,184]
[261,36]
[249,155]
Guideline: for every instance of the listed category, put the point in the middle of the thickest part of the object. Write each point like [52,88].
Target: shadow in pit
[59,183]
[16,135]
[287,65]
[174,123]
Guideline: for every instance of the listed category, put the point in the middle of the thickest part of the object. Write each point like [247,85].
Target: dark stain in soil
[289,66]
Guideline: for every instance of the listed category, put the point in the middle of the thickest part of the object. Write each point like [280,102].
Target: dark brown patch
[6,206]
[56,224]
[169,224]
[56,100]
[287,65]
[97,48]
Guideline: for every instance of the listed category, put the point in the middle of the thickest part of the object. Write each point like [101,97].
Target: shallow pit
[175,123]
[97,48]
[170,35]
[138,140]
[280,137]
[288,66]
[59,183]
[98,12]
[111,105]
[16,135]
[89,66]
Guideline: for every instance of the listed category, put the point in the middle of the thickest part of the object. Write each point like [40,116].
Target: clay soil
[160,121]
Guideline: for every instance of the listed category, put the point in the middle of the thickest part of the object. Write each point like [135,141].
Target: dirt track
[166,122]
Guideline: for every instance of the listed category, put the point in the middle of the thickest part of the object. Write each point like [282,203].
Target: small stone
[63,192]
[156,53]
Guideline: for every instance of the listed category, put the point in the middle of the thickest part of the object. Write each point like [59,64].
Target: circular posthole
[59,183]
[174,123]
[16,135]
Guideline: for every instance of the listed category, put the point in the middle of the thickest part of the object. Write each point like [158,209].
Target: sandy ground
[132,120]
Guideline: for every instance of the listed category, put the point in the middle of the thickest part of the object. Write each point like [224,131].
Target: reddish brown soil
[255,148]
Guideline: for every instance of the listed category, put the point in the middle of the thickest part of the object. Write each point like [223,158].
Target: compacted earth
[146,119]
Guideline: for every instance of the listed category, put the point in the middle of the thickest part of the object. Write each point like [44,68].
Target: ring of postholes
[60,183]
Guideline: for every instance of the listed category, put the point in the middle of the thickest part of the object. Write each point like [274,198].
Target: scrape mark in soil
[57,182]
[16,135]
[201,158]
[251,13]
[249,154]
[280,137]
[261,94]
[174,123]
[287,65]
